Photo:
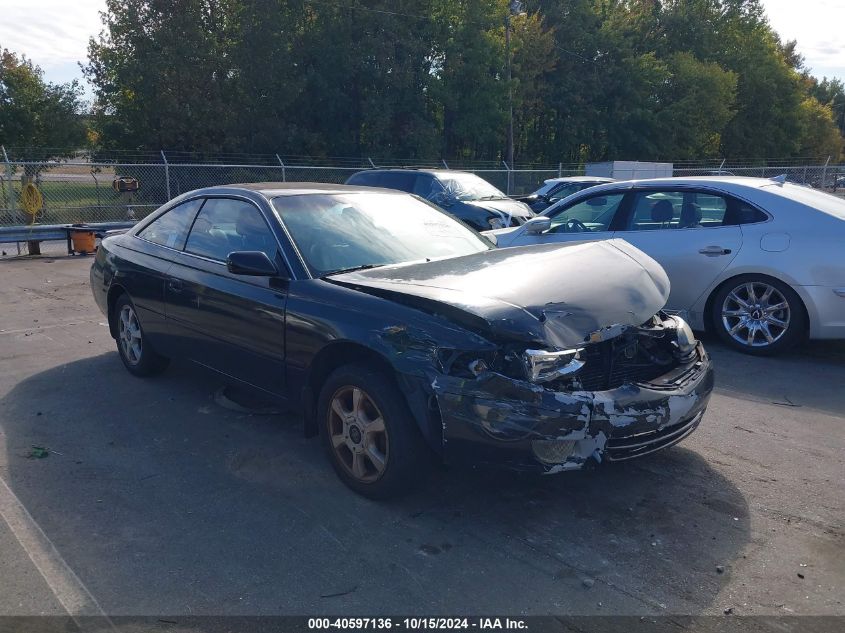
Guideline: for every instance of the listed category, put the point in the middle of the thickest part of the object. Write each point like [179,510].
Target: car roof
[419,170]
[725,183]
[737,185]
[580,179]
[276,189]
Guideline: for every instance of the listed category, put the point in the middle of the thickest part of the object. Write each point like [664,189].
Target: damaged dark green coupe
[399,333]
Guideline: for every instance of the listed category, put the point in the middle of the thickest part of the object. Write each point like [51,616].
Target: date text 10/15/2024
[417,623]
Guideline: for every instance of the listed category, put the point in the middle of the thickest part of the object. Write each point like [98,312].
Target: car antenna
[779,179]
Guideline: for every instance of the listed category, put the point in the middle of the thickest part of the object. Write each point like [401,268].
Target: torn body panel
[497,419]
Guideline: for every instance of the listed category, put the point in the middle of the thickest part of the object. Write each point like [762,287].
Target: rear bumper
[500,421]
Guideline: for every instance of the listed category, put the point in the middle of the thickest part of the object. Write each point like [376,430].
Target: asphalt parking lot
[155,499]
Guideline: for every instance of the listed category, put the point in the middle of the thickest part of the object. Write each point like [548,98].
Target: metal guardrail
[54,232]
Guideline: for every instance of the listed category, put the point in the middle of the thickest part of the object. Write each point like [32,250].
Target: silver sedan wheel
[755,314]
[358,435]
[129,335]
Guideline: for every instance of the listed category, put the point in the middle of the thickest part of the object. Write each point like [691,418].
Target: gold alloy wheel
[357,433]
[129,335]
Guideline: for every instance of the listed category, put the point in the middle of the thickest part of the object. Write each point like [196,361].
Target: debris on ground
[37,452]
[728,610]
[588,582]
[720,569]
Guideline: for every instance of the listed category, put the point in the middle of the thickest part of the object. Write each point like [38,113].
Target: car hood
[550,294]
[507,206]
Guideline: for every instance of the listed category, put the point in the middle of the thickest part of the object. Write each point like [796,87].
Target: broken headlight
[684,337]
[542,365]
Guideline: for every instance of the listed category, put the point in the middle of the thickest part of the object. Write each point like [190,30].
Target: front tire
[369,434]
[135,351]
[758,315]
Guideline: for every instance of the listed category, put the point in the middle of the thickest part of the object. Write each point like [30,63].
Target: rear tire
[758,315]
[135,351]
[369,434]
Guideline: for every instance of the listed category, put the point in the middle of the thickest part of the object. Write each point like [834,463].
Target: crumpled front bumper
[494,419]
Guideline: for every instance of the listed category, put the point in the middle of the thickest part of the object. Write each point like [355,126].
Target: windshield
[546,188]
[337,232]
[467,187]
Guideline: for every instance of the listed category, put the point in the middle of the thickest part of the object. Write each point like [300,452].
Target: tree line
[590,80]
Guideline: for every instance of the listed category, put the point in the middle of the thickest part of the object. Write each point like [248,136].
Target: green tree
[37,114]
[697,101]
[819,135]
[830,92]
[163,74]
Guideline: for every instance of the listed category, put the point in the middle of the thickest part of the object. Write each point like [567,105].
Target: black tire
[138,356]
[774,331]
[405,453]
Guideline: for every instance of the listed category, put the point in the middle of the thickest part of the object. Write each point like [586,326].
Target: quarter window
[677,210]
[745,214]
[171,228]
[225,225]
[591,215]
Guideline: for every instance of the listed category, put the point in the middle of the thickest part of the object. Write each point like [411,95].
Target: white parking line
[63,582]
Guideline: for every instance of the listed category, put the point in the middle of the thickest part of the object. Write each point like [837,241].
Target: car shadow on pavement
[810,375]
[162,501]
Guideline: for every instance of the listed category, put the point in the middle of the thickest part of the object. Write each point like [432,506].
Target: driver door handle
[175,285]
[714,251]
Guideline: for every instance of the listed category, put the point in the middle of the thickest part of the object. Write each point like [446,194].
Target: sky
[54,33]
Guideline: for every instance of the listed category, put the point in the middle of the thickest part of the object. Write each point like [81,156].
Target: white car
[760,261]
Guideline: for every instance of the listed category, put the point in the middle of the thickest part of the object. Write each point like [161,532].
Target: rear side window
[171,228]
[225,225]
[654,210]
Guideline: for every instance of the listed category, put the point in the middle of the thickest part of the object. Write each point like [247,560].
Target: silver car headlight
[542,365]
[684,336]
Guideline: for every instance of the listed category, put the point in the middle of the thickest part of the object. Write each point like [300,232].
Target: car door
[155,246]
[685,231]
[586,219]
[231,323]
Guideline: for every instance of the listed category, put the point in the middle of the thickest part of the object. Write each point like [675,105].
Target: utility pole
[514,8]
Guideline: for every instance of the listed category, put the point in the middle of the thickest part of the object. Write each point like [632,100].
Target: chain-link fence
[83,190]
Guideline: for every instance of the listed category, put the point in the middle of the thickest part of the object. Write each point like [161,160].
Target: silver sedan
[760,261]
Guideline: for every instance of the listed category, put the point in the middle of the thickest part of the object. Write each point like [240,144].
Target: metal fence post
[824,172]
[372,164]
[284,179]
[509,178]
[559,170]
[166,174]
[11,198]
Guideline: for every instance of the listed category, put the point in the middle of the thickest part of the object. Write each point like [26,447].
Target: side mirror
[537,225]
[253,263]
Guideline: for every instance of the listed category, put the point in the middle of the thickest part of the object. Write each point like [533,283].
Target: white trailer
[629,170]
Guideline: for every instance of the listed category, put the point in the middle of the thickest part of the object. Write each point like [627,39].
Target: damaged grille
[628,358]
